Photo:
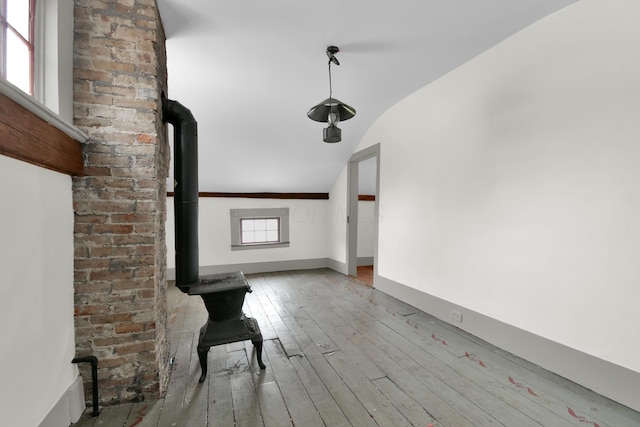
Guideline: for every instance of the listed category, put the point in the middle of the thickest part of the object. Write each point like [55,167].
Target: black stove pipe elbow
[185,192]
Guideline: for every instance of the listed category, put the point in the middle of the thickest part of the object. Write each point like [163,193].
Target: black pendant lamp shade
[320,112]
[331,110]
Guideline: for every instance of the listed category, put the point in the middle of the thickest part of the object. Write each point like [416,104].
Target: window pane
[272,224]
[18,16]
[248,237]
[272,236]
[260,224]
[16,51]
[18,60]
[261,236]
[247,225]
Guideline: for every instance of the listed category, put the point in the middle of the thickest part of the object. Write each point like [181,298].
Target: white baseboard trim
[69,407]
[267,267]
[340,267]
[612,381]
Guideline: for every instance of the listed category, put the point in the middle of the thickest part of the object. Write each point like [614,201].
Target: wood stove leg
[257,343]
[256,338]
[202,356]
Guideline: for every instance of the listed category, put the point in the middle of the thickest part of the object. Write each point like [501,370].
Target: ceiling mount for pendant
[331,110]
[331,52]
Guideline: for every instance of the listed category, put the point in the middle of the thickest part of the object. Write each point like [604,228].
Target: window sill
[260,246]
[35,107]
[32,133]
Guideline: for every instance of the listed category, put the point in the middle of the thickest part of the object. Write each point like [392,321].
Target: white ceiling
[250,70]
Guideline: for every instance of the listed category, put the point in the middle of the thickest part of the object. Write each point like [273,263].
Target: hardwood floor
[365,274]
[339,353]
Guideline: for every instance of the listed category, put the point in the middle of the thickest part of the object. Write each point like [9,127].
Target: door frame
[352,209]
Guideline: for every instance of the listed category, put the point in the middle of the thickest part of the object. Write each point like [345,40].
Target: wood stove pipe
[185,202]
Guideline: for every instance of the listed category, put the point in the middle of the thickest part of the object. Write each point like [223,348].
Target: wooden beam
[367,197]
[27,137]
[300,196]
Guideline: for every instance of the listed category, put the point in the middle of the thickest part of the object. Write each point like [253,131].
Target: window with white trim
[17,29]
[49,69]
[259,228]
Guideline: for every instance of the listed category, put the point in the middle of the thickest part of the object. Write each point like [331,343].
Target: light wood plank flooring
[365,274]
[339,353]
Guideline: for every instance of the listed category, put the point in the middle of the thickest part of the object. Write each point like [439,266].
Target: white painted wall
[337,231]
[39,382]
[36,291]
[308,221]
[367,170]
[512,184]
[366,216]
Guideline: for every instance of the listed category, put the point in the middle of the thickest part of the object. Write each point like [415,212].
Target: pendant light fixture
[331,110]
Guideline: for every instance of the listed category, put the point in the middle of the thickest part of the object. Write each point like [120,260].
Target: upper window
[16,42]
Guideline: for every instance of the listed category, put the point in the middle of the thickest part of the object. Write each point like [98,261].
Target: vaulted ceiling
[250,70]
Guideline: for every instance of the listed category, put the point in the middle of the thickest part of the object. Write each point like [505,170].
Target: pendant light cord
[330,88]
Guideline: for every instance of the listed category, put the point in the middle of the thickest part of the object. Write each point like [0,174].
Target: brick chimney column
[120,210]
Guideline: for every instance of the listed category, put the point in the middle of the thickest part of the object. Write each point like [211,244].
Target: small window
[259,228]
[16,42]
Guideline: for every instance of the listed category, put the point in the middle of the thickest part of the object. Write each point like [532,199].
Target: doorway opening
[363,213]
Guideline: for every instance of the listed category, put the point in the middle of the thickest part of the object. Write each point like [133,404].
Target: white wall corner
[77,400]
[69,408]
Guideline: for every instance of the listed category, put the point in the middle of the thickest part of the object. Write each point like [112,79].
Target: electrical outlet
[456,315]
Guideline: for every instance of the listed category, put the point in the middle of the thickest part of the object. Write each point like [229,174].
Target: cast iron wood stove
[223,294]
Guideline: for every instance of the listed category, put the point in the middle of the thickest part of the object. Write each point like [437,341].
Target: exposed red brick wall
[120,251]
